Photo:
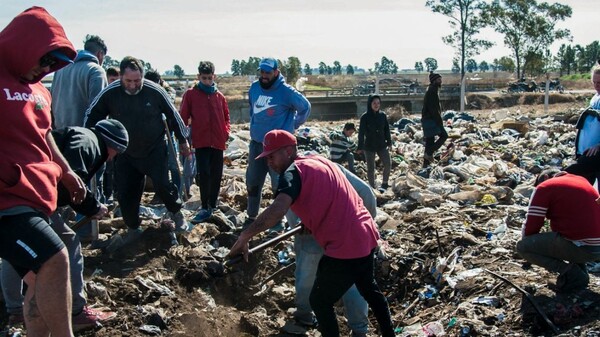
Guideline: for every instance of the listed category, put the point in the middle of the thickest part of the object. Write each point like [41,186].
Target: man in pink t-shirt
[319,193]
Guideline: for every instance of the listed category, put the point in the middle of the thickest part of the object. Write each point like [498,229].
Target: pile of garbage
[447,264]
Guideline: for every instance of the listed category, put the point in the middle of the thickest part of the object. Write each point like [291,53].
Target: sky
[356,32]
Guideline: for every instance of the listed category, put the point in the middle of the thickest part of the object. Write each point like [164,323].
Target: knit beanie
[114,134]
[433,76]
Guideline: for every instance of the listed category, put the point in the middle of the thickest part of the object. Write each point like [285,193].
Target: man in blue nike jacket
[274,104]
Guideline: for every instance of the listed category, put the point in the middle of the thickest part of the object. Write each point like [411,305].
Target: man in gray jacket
[75,87]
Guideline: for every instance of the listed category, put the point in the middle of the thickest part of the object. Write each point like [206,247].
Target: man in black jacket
[141,105]
[86,150]
[431,119]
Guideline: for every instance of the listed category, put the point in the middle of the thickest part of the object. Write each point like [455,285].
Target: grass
[316,87]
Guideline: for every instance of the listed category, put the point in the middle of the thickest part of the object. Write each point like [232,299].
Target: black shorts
[27,241]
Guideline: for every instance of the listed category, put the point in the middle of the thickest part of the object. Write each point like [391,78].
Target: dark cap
[114,134]
[433,76]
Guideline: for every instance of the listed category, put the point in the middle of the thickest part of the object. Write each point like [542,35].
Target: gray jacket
[74,88]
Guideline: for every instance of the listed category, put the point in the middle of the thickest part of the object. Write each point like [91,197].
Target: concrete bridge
[333,107]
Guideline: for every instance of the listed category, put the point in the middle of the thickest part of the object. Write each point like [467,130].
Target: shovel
[265,244]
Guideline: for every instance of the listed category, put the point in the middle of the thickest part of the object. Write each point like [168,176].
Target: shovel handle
[266,244]
[81,223]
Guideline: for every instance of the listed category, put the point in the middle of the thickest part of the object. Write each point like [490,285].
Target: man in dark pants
[431,119]
[140,104]
[331,209]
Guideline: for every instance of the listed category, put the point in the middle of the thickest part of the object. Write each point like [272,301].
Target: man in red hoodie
[33,45]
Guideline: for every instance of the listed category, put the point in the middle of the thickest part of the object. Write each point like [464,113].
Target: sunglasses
[48,61]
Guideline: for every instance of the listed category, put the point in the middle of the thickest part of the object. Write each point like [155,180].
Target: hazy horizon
[352,32]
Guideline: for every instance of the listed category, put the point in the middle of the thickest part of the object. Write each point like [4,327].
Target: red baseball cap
[275,140]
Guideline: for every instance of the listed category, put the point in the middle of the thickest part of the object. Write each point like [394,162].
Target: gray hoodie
[74,88]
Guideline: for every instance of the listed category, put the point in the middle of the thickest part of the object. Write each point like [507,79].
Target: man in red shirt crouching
[569,202]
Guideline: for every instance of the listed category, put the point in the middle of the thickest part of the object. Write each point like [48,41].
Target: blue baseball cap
[59,55]
[268,64]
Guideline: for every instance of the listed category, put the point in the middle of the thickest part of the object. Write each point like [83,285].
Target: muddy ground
[185,291]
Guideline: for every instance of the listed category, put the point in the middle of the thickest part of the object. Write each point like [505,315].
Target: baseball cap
[275,140]
[267,64]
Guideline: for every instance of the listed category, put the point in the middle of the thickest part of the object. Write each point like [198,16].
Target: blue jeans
[12,284]
[348,156]
[308,254]
[256,173]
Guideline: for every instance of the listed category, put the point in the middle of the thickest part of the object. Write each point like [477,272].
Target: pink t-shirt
[332,210]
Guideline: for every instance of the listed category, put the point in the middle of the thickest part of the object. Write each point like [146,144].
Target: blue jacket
[280,107]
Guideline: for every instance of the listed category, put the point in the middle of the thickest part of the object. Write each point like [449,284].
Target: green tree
[292,69]
[592,55]
[484,66]
[249,67]
[430,64]
[386,66]
[178,71]
[538,63]
[307,69]
[329,70]
[349,70]
[528,27]
[337,68]
[466,23]
[471,65]
[110,62]
[455,66]
[236,69]
[506,63]
[322,68]
[419,66]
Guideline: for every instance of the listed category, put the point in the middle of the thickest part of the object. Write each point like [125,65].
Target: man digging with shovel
[319,193]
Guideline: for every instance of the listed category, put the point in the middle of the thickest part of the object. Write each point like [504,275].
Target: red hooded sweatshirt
[28,176]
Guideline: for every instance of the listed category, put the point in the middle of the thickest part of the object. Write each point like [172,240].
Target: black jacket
[374,130]
[85,152]
[141,114]
[431,115]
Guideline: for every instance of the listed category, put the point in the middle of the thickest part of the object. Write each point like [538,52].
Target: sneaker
[181,225]
[573,279]
[358,334]
[89,318]
[202,215]
[385,186]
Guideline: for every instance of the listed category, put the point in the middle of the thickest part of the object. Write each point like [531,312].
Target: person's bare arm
[264,221]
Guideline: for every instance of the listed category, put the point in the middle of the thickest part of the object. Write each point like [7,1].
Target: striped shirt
[340,144]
